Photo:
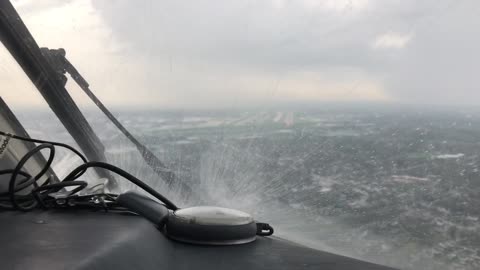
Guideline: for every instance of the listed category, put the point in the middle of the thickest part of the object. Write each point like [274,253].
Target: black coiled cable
[39,195]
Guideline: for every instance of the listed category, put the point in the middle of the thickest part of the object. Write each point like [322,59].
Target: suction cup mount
[203,225]
[208,225]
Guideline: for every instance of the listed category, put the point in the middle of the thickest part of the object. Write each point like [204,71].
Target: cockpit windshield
[353,126]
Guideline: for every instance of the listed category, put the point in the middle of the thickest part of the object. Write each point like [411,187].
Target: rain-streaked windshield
[351,126]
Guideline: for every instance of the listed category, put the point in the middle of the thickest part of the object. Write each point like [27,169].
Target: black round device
[210,225]
[204,225]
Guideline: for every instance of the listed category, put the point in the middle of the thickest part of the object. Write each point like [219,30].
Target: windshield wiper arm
[62,65]
[22,46]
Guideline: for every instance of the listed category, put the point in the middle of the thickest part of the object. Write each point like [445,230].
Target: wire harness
[24,193]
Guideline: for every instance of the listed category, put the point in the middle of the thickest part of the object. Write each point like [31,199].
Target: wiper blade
[57,58]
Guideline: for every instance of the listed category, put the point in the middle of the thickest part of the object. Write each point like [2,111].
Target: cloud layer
[216,54]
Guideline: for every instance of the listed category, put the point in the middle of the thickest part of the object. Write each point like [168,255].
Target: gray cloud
[443,62]
[211,53]
[438,64]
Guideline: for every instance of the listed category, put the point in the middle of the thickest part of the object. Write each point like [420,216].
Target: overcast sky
[216,54]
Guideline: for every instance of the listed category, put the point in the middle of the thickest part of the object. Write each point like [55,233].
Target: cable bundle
[48,194]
